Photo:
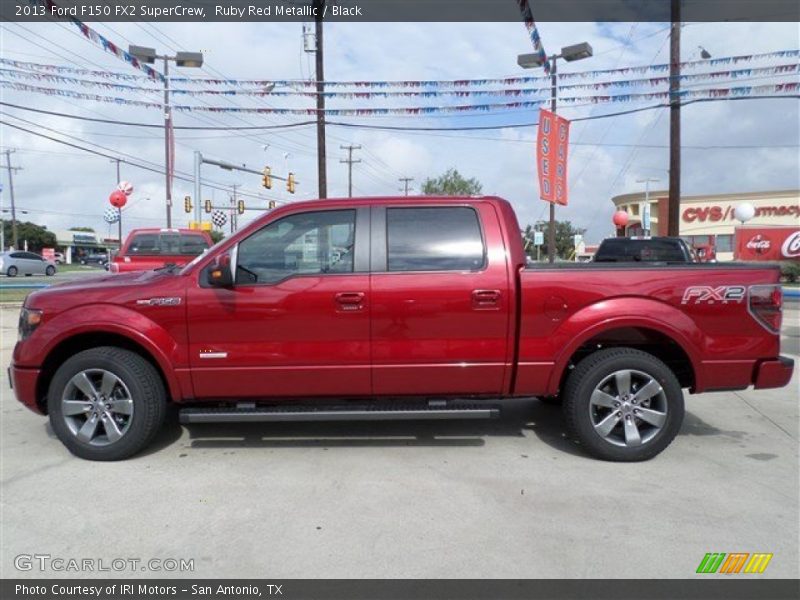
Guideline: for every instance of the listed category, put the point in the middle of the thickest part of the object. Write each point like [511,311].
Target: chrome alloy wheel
[97,407]
[628,408]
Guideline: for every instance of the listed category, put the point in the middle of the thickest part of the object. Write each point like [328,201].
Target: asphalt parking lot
[507,498]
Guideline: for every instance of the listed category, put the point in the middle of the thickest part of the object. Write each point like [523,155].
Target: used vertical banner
[552,146]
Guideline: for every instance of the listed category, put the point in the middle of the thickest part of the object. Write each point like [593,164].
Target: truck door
[296,321]
[440,300]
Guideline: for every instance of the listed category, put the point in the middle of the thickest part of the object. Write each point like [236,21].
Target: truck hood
[114,288]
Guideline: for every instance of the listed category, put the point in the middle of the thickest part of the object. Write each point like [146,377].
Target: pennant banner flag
[533,32]
[741,91]
[440,83]
[106,44]
[552,149]
[759,72]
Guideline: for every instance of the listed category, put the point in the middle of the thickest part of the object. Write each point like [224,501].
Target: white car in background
[19,262]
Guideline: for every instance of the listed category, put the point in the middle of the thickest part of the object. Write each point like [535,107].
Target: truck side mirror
[219,272]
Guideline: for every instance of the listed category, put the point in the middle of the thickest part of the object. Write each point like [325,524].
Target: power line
[399,127]
[130,162]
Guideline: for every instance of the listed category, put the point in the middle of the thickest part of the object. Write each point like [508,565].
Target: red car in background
[147,249]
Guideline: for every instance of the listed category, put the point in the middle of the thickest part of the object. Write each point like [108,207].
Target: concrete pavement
[510,498]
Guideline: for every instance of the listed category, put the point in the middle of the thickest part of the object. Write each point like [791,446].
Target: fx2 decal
[705,294]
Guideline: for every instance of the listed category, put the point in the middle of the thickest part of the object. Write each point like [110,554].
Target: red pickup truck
[393,308]
[151,248]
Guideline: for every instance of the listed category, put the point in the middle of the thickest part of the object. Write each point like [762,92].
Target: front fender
[618,313]
[153,337]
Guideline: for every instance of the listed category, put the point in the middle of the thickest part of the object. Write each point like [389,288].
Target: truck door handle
[485,298]
[350,300]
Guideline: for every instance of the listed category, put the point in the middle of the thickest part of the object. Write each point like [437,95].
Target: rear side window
[434,239]
[625,250]
[156,244]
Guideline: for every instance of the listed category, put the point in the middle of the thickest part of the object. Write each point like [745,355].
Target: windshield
[198,258]
[167,244]
[628,250]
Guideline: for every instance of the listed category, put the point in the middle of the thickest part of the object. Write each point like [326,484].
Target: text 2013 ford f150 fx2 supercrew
[393,308]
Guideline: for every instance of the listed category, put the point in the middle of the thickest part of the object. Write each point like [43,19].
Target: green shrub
[790,271]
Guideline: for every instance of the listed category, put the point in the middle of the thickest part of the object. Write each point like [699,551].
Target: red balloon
[118,198]
[620,218]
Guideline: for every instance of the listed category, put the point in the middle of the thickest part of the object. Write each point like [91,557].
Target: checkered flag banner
[111,215]
[219,218]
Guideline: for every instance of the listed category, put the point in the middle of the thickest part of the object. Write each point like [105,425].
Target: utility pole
[322,176]
[674,201]
[168,133]
[551,231]
[11,194]
[234,213]
[119,210]
[349,160]
[405,181]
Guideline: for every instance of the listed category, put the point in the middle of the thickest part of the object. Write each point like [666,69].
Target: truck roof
[394,199]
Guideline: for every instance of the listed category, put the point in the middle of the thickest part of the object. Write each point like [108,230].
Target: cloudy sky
[62,187]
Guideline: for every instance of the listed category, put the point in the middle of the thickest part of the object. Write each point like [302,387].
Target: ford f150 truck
[393,308]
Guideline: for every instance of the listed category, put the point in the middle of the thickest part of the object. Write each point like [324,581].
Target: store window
[724,243]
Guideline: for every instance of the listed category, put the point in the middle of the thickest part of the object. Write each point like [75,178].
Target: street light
[529,61]
[181,59]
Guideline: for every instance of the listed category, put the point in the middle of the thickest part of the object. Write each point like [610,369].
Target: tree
[216,236]
[85,229]
[37,236]
[452,183]
[565,240]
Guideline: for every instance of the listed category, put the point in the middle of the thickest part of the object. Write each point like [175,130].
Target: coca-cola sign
[767,243]
[791,246]
[759,243]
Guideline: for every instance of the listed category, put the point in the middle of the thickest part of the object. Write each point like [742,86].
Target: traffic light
[266,180]
[187,204]
[240,207]
[290,183]
[271,204]
[207,206]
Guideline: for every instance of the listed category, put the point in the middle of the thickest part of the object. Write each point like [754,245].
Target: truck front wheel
[623,405]
[106,403]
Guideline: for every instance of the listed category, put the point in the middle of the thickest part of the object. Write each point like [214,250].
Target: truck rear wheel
[106,403]
[623,405]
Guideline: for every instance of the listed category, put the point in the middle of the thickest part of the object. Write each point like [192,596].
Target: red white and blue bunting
[739,91]
[734,74]
[433,83]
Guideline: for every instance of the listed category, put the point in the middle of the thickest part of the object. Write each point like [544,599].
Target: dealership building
[709,222]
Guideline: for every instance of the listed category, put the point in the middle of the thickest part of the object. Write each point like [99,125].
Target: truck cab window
[300,244]
[434,239]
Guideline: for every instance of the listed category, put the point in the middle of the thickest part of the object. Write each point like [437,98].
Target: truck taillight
[765,303]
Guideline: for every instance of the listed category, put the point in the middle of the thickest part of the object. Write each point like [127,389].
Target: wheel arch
[85,340]
[649,335]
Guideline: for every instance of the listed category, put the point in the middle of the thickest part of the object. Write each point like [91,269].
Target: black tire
[50,271]
[12,271]
[83,262]
[578,410]
[146,390]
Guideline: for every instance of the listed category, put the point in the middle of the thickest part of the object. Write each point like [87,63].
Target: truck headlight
[29,319]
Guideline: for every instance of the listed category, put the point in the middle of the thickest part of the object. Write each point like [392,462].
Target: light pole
[181,59]
[646,207]
[529,61]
